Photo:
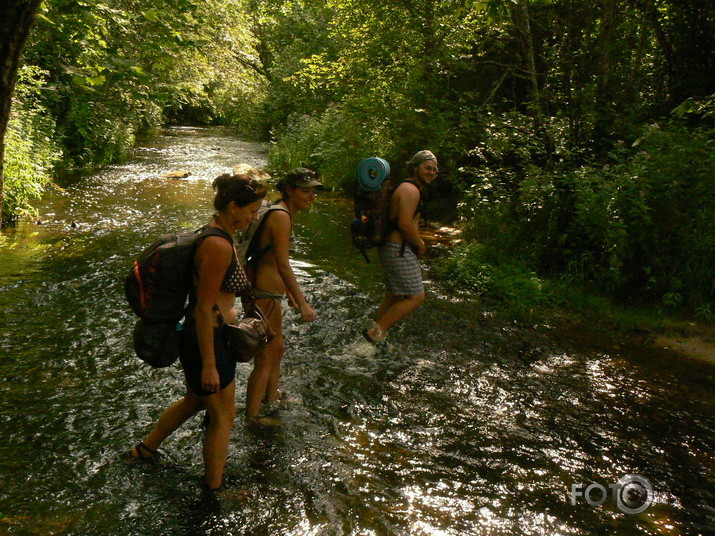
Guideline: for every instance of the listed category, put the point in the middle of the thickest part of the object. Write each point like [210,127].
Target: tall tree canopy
[531,105]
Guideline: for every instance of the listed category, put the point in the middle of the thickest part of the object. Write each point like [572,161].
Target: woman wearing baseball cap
[274,278]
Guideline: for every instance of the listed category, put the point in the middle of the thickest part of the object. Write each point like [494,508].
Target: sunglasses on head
[306,177]
[252,184]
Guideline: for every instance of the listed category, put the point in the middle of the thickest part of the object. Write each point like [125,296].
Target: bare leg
[392,310]
[277,359]
[266,368]
[266,371]
[387,301]
[173,417]
[221,408]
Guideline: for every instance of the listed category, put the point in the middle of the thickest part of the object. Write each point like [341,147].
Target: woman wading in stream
[208,368]
[273,278]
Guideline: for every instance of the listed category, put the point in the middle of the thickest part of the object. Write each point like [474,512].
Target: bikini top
[255,252]
[234,280]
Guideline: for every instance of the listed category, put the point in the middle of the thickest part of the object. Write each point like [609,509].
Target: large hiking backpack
[370,228]
[157,289]
[248,249]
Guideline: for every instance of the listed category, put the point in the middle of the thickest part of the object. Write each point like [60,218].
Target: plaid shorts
[402,273]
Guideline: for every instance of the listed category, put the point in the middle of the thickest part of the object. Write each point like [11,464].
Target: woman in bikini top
[275,277]
[208,368]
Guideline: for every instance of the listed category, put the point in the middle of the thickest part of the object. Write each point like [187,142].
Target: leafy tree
[16,20]
[31,146]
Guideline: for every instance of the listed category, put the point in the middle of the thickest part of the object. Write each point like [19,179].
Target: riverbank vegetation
[576,137]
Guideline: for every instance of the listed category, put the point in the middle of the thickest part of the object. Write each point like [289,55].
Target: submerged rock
[245,169]
[179,174]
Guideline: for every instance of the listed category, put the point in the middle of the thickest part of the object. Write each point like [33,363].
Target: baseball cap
[301,177]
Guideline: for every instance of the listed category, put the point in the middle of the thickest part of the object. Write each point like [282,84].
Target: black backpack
[157,288]
[247,246]
[370,227]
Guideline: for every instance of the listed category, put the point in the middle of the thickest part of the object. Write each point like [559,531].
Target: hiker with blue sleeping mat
[268,261]
[403,247]
[209,368]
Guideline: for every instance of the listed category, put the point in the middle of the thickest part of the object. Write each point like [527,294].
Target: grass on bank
[517,292]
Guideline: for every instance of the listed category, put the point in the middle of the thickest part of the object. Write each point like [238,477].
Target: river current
[461,425]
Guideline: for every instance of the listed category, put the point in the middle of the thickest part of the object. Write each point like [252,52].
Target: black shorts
[191,362]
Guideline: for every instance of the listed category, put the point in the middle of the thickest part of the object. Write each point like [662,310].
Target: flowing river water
[461,425]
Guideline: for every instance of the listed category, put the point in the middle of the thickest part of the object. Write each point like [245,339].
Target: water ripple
[460,424]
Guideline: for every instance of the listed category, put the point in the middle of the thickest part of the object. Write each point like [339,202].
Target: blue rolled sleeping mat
[372,172]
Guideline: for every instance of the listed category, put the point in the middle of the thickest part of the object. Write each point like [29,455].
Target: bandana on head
[419,157]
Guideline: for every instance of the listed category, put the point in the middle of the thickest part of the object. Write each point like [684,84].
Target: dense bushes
[497,278]
[333,143]
[640,225]
[31,149]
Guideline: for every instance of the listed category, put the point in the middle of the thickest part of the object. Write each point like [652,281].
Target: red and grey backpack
[157,288]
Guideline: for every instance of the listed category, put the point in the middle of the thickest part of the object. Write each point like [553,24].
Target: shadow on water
[460,425]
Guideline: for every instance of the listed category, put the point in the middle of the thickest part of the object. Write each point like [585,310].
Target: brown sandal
[151,456]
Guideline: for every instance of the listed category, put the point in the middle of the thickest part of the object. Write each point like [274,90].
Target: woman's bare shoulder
[280,220]
[214,248]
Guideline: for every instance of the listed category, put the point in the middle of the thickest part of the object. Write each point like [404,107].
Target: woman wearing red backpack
[208,368]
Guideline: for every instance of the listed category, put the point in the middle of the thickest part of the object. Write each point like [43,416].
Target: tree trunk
[523,23]
[572,66]
[647,7]
[603,123]
[522,19]
[16,20]
[637,62]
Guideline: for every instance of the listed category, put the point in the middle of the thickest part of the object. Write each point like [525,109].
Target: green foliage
[333,143]
[30,147]
[640,226]
[287,33]
[378,75]
[116,69]
[497,279]
[219,79]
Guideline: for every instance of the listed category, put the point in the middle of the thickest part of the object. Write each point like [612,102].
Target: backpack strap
[208,230]
[205,232]
[254,253]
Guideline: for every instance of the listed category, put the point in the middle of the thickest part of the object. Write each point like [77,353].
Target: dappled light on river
[461,424]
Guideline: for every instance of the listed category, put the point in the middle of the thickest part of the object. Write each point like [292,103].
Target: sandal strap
[141,446]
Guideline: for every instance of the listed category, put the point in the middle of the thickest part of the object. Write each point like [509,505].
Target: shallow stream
[461,425]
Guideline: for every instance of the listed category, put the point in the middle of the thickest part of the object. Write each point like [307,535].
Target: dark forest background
[575,138]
